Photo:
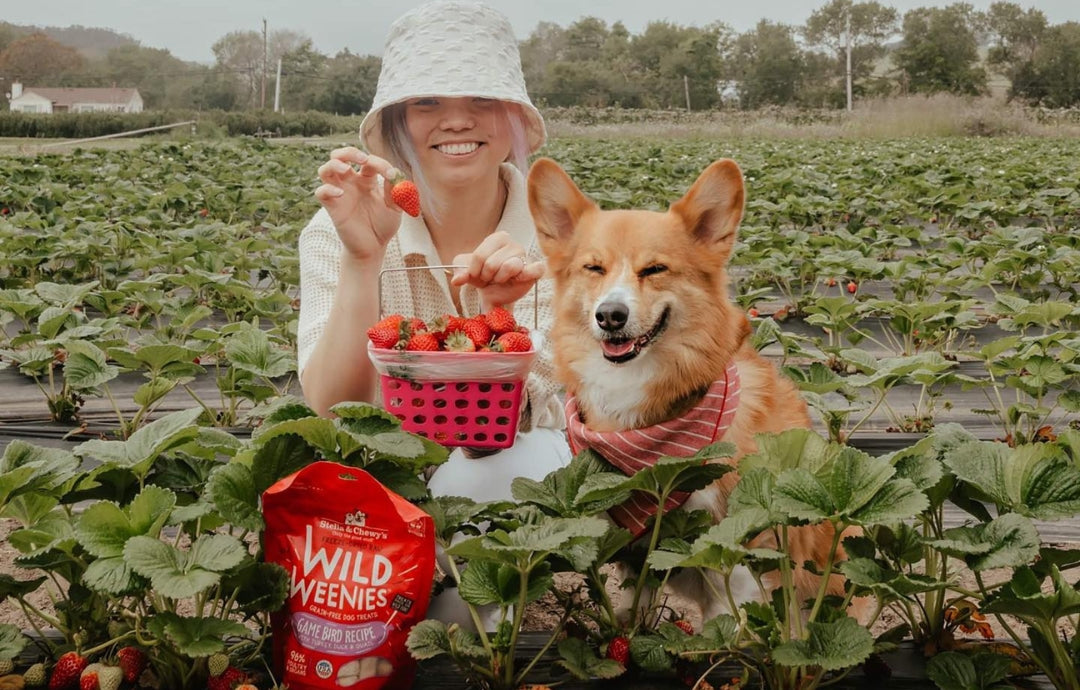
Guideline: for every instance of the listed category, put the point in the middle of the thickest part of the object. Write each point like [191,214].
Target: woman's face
[458,140]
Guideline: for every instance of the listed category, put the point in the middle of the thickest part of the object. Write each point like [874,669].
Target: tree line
[953,49]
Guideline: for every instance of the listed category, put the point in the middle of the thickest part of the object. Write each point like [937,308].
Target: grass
[891,118]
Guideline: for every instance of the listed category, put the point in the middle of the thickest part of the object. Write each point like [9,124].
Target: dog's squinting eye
[651,270]
[593,268]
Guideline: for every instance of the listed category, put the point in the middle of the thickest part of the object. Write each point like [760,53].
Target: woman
[452,113]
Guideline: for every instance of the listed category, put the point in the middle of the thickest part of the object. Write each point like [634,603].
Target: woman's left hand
[499,269]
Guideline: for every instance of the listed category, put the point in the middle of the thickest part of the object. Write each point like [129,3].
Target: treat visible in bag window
[361,561]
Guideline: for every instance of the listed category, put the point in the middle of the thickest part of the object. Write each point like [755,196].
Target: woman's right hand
[355,191]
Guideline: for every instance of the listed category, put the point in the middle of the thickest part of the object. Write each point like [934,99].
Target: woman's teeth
[458,149]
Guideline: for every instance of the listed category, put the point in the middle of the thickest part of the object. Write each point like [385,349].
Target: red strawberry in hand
[407,197]
[65,675]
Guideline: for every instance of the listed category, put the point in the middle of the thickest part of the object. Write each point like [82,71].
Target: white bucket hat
[450,48]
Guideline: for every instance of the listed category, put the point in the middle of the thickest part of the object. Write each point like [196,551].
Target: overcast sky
[187,28]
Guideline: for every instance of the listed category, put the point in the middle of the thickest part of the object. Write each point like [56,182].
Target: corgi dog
[654,357]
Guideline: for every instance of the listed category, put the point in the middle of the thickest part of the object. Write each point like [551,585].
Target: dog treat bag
[361,561]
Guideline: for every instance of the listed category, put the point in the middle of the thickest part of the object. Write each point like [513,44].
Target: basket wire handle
[448,268]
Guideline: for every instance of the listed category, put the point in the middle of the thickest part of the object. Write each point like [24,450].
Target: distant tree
[1016,35]
[163,80]
[768,65]
[9,33]
[585,40]
[546,44]
[871,26]
[570,82]
[241,54]
[940,50]
[349,83]
[1053,77]
[303,78]
[38,60]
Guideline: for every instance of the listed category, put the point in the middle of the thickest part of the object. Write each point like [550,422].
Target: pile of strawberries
[493,331]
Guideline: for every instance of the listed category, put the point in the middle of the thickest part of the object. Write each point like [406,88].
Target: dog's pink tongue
[617,349]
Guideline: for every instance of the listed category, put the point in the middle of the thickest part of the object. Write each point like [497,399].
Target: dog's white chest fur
[619,391]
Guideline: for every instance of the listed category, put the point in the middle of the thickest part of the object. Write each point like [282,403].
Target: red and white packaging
[361,560]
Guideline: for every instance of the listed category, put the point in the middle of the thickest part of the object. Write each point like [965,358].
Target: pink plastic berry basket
[454,398]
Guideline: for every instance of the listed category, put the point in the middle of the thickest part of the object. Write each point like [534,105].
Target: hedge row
[85,125]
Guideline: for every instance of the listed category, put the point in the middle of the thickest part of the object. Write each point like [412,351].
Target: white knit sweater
[426,294]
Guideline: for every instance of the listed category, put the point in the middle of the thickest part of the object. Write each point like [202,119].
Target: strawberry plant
[1032,482]
[796,478]
[151,543]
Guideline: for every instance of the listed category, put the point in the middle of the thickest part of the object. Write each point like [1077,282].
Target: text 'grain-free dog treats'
[361,561]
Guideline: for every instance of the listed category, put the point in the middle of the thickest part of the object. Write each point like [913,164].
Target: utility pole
[847,45]
[277,87]
[686,90]
[262,100]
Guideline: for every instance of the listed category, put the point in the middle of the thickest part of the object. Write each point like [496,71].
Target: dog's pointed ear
[713,207]
[556,204]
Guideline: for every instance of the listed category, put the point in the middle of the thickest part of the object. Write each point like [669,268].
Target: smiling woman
[452,114]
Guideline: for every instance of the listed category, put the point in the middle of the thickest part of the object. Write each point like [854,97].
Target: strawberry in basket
[492,331]
[457,381]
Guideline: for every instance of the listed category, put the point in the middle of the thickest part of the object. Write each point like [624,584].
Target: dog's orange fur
[673,261]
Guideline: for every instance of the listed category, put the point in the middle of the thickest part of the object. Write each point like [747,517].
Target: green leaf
[428,639]
[250,349]
[1008,541]
[648,652]
[888,584]
[139,452]
[86,367]
[802,496]
[898,500]
[12,641]
[110,575]
[957,671]
[1024,596]
[791,449]
[10,587]
[579,658]
[195,636]
[279,456]
[832,646]
[231,488]
[179,574]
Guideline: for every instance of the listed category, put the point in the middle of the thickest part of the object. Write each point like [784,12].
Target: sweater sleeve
[320,268]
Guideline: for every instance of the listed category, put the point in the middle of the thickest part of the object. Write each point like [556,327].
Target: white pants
[534,455]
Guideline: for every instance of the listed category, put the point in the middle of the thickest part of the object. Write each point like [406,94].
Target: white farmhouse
[36,99]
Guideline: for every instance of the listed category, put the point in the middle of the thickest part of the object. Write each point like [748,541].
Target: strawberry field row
[877,271]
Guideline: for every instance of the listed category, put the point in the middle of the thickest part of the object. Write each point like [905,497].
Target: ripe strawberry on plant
[514,342]
[852,287]
[500,320]
[132,663]
[65,675]
[619,650]
[228,680]
[685,625]
[405,194]
[88,681]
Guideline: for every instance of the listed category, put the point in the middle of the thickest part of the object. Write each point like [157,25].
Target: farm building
[34,99]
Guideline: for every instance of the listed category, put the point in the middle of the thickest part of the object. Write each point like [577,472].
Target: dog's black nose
[611,316]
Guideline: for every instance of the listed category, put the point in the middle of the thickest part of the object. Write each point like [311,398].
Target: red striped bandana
[636,449]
